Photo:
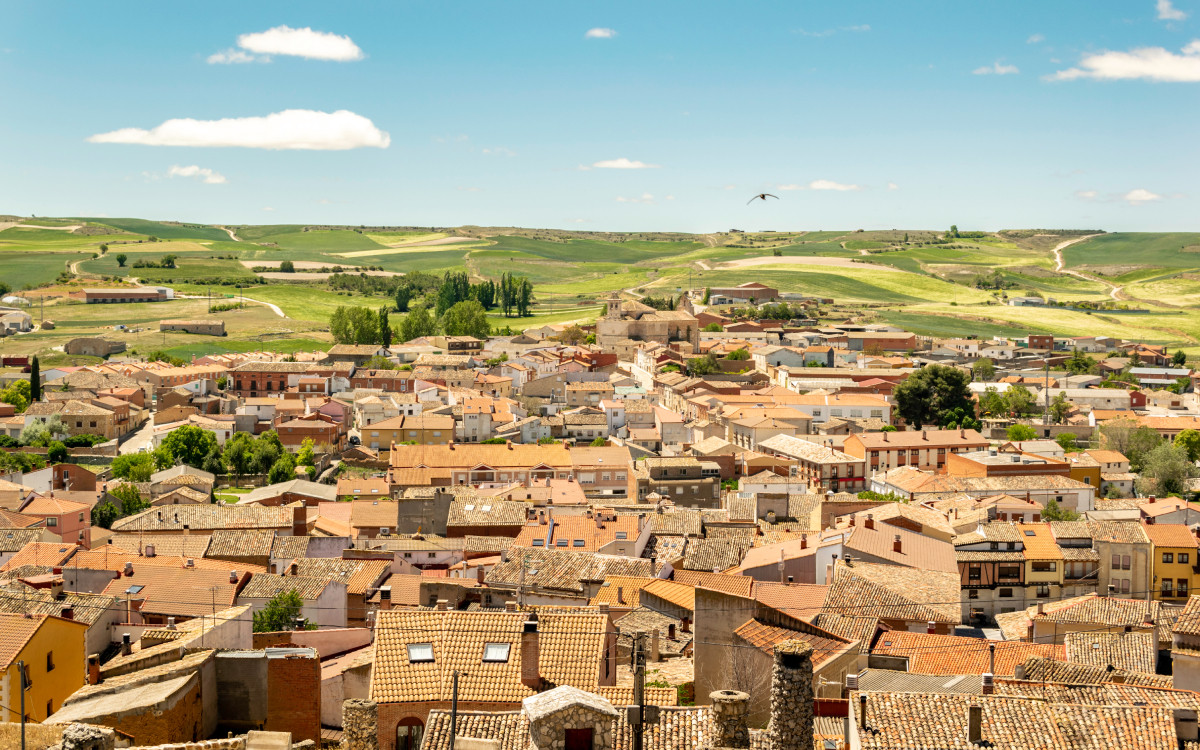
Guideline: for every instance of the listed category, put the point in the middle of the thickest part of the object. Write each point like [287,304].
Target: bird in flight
[762,197]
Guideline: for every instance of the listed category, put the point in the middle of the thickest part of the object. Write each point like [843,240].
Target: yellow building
[1175,549]
[52,650]
[428,429]
[1085,469]
[1043,562]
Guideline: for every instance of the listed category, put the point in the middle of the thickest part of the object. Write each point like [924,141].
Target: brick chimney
[233,577]
[897,545]
[989,683]
[68,612]
[792,696]
[870,522]
[128,569]
[531,675]
[931,627]
[385,597]
[93,669]
[974,724]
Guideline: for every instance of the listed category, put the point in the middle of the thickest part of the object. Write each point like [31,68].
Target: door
[579,739]
[409,733]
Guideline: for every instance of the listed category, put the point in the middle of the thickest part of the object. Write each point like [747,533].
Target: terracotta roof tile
[949,654]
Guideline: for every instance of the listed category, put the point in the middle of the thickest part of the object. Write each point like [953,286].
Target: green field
[1133,249]
[161,230]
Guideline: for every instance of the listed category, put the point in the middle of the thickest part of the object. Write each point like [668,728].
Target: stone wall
[792,697]
[360,725]
[550,733]
[730,711]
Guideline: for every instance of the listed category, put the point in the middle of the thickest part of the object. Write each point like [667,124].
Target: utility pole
[21,672]
[639,687]
[521,586]
[1046,392]
[454,710]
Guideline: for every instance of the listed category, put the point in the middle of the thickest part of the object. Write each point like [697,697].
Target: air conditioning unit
[385,531]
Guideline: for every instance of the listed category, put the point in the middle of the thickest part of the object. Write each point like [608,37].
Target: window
[431,555]
[1012,545]
[1183,558]
[1042,566]
[577,543]
[1125,560]
[1009,571]
[49,661]
[409,733]
[496,652]
[1004,593]
[622,535]
[561,542]
[1030,532]
[974,573]
[578,739]
[973,594]
[1116,562]
[1168,587]
[537,542]
[1043,591]
[1124,585]
[1182,587]
[408,554]
[995,545]
[877,413]
[51,521]
[420,652]
[1168,558]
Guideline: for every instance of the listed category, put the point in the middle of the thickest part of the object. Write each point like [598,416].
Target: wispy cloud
[1149,63]
[892,186]
[284,40]
[300,129]
[499,151]
[1140,195]
[643,198]
[821,185]
[1168,12]
[996,68]
[621,163]
[1035,39]
[599,32]
[1087,195]
[830,32]
[268,208]
[204,174]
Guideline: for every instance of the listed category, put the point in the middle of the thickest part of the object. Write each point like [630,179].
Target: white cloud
[892,186]
[267,208]
[234,56]
[1139,196]
[205,174]
[996,69]
[500,151]
[643,198]
[1087,195]
[1150,63]
[622,163]
[600,33]
[729,187]
[301,129]
[1035,39]
[670,197]
[821,185]
[306,43]
[1168,12]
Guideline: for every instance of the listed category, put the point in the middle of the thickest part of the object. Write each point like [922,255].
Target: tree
[378,362]
[925,394]
[953,231]
[573,334]
[306,456]
[1080,364]
[35,380]
[960,418]
[121,258]
[103,248]
[738,355]
[354,325]
[1142,442]
[705,365]
[40,432]
[237,455]
[983,369]
[1020,432]
[136,467]
[283,470]
[1067,441]
[1165,470]
[168,261]
[130,499]
[1055,512]
[417,324]
[189,444]
[599,442]
[403,297]
[714,328]
[1060,408]
[222,382]
[18,394]
[280,613]
[1179,358]
[1189,440]
[56,452]
[1019,401]
[212,461]
[707,294]
[162,458]
[104,514]
[287,267]
[466,319]
[385,328]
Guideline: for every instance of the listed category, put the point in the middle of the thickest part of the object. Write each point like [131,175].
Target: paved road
[141,438]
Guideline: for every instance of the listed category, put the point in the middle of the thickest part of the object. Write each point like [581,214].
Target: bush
[84,441]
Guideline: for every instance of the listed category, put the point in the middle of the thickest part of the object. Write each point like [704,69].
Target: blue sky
[856,114]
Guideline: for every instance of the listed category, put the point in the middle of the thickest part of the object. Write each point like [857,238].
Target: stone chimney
[974,724]
[792,696]
[126,644]
[128,569]
[360,725]
[531,675]
[730,710]
[655,647]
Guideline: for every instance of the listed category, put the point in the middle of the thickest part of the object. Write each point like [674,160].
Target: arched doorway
[409,732]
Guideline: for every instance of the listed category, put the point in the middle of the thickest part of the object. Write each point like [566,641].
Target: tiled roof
[916,550]
[663,549]
[729,584]
[1099,610]
[682,728]
[890,592]
[1128,532]
[476,511]
[1189,620]
[677,522]
[265,586]
[648,620]
[672,592]
[1133,651]
[89,608]
[628,588]
[1072,673]
[571,649]
[949,654]
[1101,694]
[40,553]
[799,600]
[13,540]
[207,518]
[715,554]
[112,557]
[241,543]
[766,637]
[472,543]
[1170,535]
[564,571]
[358,575]
[903,721]
[176,591]
[850,627]
[15,632]
[1039,542]
[289,547]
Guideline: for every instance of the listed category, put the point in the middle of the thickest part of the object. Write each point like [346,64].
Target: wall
[294,695]
[327,642]
[242,690]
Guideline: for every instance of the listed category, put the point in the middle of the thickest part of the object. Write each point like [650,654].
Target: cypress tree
[35,380]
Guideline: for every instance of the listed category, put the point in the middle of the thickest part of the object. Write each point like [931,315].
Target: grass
[927,324]
[333,241]
[391,239]
[1136,249]
[224,346]
[305,303]
[187,268]
[164,231]
[861,284]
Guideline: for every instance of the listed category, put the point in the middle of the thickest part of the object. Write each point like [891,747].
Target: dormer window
[496,652]
[419,653]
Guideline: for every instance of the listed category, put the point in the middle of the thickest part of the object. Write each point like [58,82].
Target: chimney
[128,569]
[924,434]
[731,709]
[170,623]
[1150,499]
[804,541]
[685,625]
[510,606]
[989,683]
[385,597]
[599,521]
[1185,724]
[294,569]
[93,669]
[602,607]
[233,577]
[792,696]
[68,612]
[862,711]
[974,724]
[897,545]
[620,594]
[931,627]
[671,631]
[126,644]
[791,579]
[150,550]
[299,624]
[655,648]
[851,683]
[1019,672]
[1041,610]
[480,573]
[189,563]
[442,604]
[530,654]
